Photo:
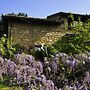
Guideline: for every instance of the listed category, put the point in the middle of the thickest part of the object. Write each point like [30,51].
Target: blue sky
[43,8]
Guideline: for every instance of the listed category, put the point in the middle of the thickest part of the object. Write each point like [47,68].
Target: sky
[44,8]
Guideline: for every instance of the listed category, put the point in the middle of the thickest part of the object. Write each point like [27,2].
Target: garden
[65,65]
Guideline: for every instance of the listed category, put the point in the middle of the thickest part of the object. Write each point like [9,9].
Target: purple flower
[53,66]
[87,77]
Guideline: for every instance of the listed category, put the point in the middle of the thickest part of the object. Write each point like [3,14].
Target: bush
[62,71]
[77,42]
[6,49]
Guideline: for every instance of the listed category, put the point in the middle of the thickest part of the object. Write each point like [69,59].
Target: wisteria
[26,72]
[59,72]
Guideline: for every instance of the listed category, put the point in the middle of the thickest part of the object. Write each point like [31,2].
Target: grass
[3,87]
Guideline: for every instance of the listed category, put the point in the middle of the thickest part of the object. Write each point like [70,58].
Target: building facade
[28,31]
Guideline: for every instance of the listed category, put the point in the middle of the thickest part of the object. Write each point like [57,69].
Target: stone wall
[31,34]
[60,18]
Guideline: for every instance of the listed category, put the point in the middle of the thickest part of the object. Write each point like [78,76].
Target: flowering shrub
[60,72]
[25,72]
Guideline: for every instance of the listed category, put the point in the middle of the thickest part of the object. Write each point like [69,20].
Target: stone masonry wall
[31,34]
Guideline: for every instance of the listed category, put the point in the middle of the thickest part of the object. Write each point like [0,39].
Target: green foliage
[16,48]
[40,52]
[6,49]
[51,51]
[78,41]
[2,44]
[44,51]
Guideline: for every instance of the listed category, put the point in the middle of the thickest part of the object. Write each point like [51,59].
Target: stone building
[29,31]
